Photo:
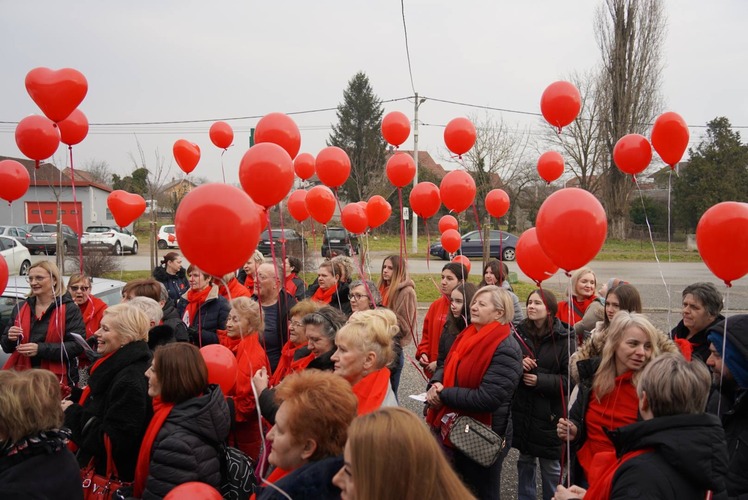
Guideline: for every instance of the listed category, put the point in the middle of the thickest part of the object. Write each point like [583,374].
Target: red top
[433,324]
[234,289]
[250,357]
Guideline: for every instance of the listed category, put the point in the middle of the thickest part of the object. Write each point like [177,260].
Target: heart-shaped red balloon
[187,155]
[125,207]
[56,92]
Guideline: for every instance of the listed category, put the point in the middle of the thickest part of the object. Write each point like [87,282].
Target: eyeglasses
[296,324]
[356,296]
[39,279]
[76,288]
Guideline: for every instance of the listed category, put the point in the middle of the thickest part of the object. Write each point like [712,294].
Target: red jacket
[433,324]
[250,357]
[235,289]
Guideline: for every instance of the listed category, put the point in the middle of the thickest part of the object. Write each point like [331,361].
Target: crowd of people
[587,389]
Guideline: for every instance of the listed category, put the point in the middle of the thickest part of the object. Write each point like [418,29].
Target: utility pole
[414,225]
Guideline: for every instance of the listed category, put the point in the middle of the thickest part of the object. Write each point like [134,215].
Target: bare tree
[99,170]
[630,34]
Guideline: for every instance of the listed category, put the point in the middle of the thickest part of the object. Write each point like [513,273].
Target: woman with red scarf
[328,290]
[583,295]
[293,284]
[481,374]
[92,308]
[190,419]
[206,310]
[295,355]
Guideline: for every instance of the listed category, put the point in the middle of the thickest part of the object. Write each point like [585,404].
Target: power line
[407,48]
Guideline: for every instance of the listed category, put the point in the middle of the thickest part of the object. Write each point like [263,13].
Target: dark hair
[330,319]
[181,370]
[708,295]
[457,269]
[497,268]
[193,267]
[454,326]
[295,264]
[551,307]
[168,258]
[628,300]
[143,287]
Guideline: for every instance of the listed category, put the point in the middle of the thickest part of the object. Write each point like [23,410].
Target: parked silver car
[43,239]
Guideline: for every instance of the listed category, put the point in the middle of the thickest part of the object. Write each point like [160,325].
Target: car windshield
[168,229]
[43,228]
[265,235]
[98,229]
[336,234]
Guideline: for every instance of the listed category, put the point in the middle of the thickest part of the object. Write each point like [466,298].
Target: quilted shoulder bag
[98,487]
[476,440]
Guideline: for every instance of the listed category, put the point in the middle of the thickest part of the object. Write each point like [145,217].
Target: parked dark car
[339,241]
[43,239]
[472,246]
[293,239]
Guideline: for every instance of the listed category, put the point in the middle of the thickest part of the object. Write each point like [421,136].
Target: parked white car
[167,237]
[112,239]
[16,255]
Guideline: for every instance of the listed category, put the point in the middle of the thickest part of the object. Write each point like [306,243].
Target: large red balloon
[3,274]
[532,259]
[222,366]
[304,165]
[560,103]
[632,154]
[333,166]
[194,491]
[459,135]
[448,222]
[37,137]
[550,166]
[221,135]
[187,155]
[208,222]
[451,240]
[461,259]
[395,128]
[266,173]
[297,205]
[14,180]
[571,227]
[353,217]
[425,199]
[670,137]
[722,240]
[56,92]
[320,203]
[401,169]
[497,203]
[378,210]
[74,128]
[281,130]
[457,190]
[125,207]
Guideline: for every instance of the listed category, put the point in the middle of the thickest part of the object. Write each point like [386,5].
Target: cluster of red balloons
[125,207]
[14,180]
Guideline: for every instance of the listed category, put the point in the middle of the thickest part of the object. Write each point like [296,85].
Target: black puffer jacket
[186,446]
[536,410]
[118,406]
[688,458]
[312,481]
[171,318]
[210,317]
[699,342]
[176,284]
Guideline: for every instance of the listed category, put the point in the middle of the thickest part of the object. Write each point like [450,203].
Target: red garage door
[46,212]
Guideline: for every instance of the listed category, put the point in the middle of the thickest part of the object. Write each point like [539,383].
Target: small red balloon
[187,155]
[457,190]
[56,92]
[378,211]
[304,165]
[560,103]
[37,137]
[401,169]
[497,203]
[459,136]
[550,166]
[221,135]
[632,153]
[670,137]
[722,240]
[461,259]
[125,207]
[320,203]
[297,205]
[333,166]
[531,258]
[14,180]
[194,491]
[395,128]
[281,130]
[222,366]
[266,173]
[425,199]
[74,128]
[451,240]
[353,217]
[448,222]
[3,274]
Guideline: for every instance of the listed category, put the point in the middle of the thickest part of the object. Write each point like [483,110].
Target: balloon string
[78,227]
[724,351]
[347,239]
[403,249]
[223,173]
[428,245]
[314,236]
[669,188]
[480,233]
[568,377]
[282,277]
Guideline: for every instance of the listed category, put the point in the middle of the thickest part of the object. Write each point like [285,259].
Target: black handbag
[476,440]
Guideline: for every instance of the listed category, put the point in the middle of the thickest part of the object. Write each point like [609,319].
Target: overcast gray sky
[174,60]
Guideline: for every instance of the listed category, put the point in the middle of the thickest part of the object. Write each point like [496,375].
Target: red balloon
[425,199]
[221,366]
[208,220]
[362,203]
[37,137]
[194,491]
[187,155]
[3,274]
[532,259]
[451,240]
[378,210]
[304,165]
[74,128]
[459,136]
[281,130]
[461,259]
[320,203]
[297,205]
[56,92]
[125,207]
[497,203]
[632,154]
[353,217]
[722,240]
[560,103]
[457,190]
[263,216]
[571,227]
[670,137]
[395,128]
[14,180]
[333,166]
[550,166]
[221,134]
[448,222]
[401,169]
[266,173]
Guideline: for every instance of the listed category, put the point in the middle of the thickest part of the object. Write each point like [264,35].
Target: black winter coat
[536,410]
[699,342]
[339,301]
[688,458]
[172,319]
[176,284]
[118,406]
[186,446]
[210,317]
[312,481]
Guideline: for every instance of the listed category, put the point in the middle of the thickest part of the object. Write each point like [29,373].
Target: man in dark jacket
[729,363]
[275,303]
[702,304]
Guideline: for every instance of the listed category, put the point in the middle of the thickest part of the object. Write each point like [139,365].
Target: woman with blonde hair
[583,296]
[420,471]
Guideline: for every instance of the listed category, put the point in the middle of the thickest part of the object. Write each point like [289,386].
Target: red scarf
[467,362]
[325,296]
[608,465]
[384,291]
[274,477]
[433,324]
[287,365]
[233,289]
[161,411]
[250,357]
[290,285]
[195,299]
[568,314]
[371,390]
[92,310]
[55,334]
